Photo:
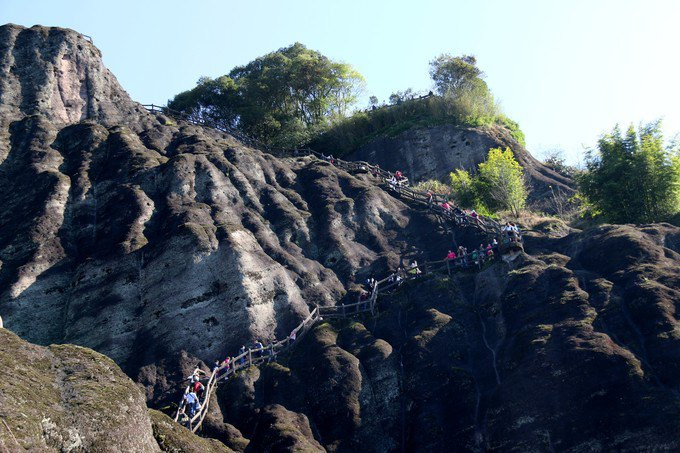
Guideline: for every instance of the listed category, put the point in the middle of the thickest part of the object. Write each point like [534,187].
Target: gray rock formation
[147,238]
[573,349]
[433,152]
[161,244]
[139,233]
[58,74]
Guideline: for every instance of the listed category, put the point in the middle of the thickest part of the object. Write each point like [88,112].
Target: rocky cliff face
[66,399]
[147,238]
[433,152]
[57,73]
[559,351]
[177,238]
[163,244]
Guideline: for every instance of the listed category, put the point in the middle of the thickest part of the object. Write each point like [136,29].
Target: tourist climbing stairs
[260,355]
[400,186]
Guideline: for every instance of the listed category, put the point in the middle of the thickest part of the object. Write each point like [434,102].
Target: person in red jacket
[198,388]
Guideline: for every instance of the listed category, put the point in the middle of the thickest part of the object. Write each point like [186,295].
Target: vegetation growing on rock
[463,99]
[281,98]
[167,245]
[633,177]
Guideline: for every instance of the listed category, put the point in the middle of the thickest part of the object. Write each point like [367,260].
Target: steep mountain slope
[175,237]
[563,351]
[433,152]
[58,74]
[162,244]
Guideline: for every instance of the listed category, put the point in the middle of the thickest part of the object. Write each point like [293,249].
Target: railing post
[343,310]
[250,357]
[448,267]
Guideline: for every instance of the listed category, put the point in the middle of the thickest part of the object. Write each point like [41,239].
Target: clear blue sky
[566,71]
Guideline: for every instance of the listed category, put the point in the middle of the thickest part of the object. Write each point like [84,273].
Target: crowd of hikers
[195,395]
[462,257]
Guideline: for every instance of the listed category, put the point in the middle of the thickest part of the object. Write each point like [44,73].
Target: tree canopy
[632,177]
[498,185]
[460,81]
[502,181]
[454,74]
[279,97]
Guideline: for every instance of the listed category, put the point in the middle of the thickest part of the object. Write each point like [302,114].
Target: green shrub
[434,186]
[498,186]
[513,127]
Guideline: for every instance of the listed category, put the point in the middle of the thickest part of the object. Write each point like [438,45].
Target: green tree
[284,94]
[454,75]
[464,188]
[501,181]
[633,177]
[460,82]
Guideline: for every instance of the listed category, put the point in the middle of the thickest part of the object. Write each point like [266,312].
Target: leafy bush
[465,188]
[498,186]
[501,181]
[513,127]
[434,186]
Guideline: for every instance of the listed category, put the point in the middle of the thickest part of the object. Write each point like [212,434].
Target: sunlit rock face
[176,238]
[161,244]
[59,74]
[139,237]
[66,398]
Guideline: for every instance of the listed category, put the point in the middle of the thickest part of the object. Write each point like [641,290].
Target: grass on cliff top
[350,133]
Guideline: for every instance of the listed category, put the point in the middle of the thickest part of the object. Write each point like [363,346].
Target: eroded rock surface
[563,351]
[165,245]
[141,238]
[434,152]
[138,236]
[66,398]
[59,74]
